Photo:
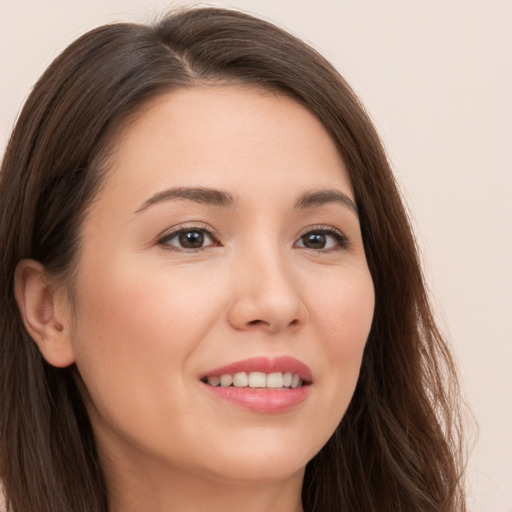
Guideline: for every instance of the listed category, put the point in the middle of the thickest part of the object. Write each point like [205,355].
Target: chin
[267,459]
[259,471]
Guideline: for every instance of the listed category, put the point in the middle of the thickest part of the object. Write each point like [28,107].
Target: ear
[45,313]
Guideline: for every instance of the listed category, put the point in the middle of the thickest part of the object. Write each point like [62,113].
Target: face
[224,245]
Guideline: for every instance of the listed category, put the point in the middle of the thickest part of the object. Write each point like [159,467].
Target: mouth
[256,380]
[261,384]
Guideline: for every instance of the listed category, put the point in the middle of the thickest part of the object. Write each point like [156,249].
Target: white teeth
[226,381]
[240,380]
[257,380]
[273,380]
[214,381]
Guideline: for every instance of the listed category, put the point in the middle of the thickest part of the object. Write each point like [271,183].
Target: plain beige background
[436,76]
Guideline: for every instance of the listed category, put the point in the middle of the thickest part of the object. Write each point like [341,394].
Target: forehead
[225,137]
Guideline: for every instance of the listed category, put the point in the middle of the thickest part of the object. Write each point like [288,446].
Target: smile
[275,380]
[261,384]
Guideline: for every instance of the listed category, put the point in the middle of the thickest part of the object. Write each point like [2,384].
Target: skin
[152,317]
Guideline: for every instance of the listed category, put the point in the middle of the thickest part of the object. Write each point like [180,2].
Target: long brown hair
[398,445]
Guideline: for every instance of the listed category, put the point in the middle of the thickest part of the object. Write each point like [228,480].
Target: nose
[267,296]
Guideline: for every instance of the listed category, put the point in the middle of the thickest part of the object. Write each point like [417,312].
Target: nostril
[270,326]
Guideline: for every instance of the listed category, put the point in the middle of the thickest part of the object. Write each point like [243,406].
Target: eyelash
[341,240]
[202,228]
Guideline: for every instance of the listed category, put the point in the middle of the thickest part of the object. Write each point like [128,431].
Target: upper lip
[264,364]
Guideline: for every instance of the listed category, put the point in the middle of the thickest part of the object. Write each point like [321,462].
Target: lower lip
[262,400]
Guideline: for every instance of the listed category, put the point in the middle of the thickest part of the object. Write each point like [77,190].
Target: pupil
[191,239]
[314,241]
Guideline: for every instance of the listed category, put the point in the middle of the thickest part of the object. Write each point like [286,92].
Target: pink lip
[264,364]
[263,400]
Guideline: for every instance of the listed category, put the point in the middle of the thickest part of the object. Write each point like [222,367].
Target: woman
[217,298]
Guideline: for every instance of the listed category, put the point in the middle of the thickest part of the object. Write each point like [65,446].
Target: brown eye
[188,238]
[324,239]
[314,240]
[191,239]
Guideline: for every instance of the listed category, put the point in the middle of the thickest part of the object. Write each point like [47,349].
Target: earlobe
[44,313]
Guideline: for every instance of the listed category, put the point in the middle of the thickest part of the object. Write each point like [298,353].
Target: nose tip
[268,302]
[275,321]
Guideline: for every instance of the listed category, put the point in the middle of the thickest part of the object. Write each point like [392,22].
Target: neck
[144,489]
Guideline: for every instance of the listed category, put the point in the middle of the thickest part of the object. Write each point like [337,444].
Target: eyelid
[342,239]
[168,234]
[173,231]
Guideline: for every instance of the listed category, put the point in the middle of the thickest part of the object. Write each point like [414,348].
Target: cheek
[344,312]
[141,307]
[344,317]
[136,328]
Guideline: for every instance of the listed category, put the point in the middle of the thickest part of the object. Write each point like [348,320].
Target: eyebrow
[208,196]
[320,197]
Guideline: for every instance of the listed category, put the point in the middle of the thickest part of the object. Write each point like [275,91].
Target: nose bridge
[266,290]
